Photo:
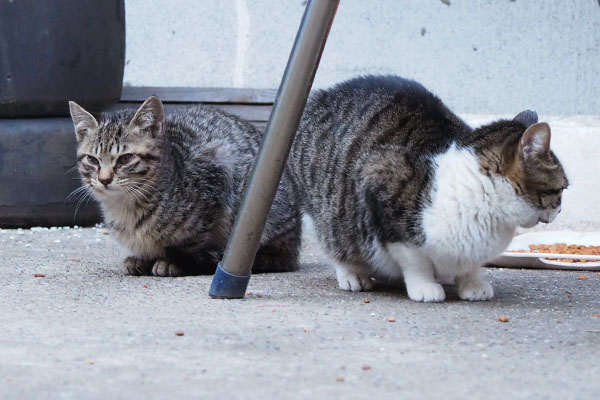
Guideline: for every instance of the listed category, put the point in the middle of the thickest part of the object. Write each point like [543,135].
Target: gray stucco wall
[479,56]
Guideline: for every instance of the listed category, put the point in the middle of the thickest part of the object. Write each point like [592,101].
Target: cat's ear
[83,120]
[535,142]
[527,118]
[150,117]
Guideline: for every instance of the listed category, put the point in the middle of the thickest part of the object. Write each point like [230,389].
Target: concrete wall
[479,56]
[483,57]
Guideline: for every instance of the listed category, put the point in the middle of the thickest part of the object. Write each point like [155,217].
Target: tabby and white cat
[397,185]
[169,187]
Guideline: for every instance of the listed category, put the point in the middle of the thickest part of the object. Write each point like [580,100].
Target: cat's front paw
[348,280]
[475,290]
[137,266]
[426,292]
[164,267]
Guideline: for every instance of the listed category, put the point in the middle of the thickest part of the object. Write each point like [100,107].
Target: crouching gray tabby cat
[397,185]
[169,187]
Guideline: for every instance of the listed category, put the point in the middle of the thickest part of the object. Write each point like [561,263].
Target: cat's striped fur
[397,185]
[169,187]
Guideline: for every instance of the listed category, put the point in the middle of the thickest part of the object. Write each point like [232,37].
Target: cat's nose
[105,181]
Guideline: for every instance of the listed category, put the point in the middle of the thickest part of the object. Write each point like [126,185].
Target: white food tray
[539,260]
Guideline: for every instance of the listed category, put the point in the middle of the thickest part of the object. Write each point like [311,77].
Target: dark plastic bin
[37,160]
[60,50]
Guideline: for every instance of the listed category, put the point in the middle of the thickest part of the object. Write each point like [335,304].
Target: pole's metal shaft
[233,273]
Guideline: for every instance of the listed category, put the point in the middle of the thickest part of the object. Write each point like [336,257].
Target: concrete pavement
[85,330]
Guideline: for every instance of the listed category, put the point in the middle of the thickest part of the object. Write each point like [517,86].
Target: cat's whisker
[146,182]
[149,193]
[131,195]
[145,188]
[77,191]
[135,194]
[135,190]
[87,195]
[71,169]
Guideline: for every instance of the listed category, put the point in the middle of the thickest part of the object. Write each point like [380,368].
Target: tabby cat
[169,187]
[397,185]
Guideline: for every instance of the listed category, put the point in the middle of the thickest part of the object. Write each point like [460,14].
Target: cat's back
[206,125]
[374,103]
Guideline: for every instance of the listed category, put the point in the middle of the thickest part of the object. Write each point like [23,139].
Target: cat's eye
[125,159]
[93,160]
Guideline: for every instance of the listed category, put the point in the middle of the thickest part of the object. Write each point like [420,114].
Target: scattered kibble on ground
[179,333]
[39,275]
[582,278]
[145,286]
[366,367]
[503,318]
[366,301]
[391,319]
[340,379]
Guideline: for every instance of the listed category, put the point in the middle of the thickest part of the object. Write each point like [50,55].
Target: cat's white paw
[348,280]
[166,268]
[475,290]
[426,292]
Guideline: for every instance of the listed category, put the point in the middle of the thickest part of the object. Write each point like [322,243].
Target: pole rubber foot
[228,286]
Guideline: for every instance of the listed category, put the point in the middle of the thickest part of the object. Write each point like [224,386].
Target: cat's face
[118,156]
[536,173]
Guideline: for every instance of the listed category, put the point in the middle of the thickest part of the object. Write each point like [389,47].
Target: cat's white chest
[467,223]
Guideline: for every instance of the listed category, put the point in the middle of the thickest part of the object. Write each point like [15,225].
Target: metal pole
[233,272]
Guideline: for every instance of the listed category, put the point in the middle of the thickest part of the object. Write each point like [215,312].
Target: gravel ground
[86,331]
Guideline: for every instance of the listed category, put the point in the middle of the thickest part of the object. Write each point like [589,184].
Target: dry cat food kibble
[563,248]
[503,318]
[39,275]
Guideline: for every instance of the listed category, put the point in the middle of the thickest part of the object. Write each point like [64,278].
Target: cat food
[503,318]
[39,275]
[366,301]
[391,319]
[582,278]
[563,248]
[179,333]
